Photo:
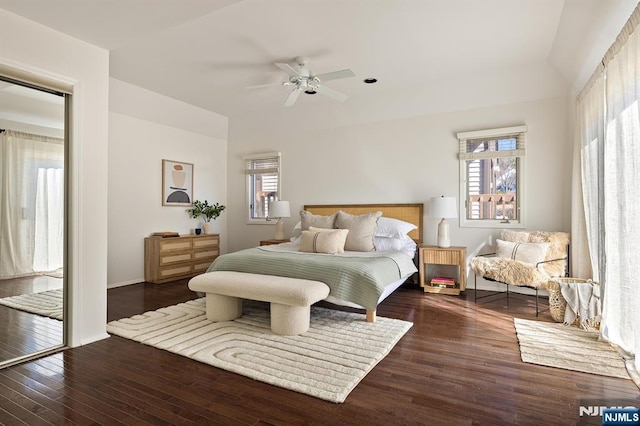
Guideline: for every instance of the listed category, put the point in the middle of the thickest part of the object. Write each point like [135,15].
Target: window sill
[491,224]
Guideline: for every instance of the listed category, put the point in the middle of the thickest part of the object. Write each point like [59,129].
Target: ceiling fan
[302,79]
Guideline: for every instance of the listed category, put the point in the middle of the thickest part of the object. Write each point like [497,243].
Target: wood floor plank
[458,365]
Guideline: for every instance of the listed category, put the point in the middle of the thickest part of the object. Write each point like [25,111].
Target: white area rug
[47,303]
[568,347]
[326,362]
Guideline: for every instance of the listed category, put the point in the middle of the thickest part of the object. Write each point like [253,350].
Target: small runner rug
[47,303]
[326,362]
[568,347]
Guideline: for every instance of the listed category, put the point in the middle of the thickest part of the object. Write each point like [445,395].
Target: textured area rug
[47,303]
[326,362]
[568,347]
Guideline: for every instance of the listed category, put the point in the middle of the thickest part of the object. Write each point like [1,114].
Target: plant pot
[208,228]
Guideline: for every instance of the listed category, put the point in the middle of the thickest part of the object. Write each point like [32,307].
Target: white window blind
[495,143]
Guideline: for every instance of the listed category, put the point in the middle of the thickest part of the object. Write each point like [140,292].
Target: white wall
[406,160]
[32,47]
[144,129]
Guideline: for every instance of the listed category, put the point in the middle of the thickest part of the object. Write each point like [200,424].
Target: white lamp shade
[443,207]
[279,209]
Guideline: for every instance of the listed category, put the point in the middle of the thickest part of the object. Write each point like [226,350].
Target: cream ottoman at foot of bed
[290,298]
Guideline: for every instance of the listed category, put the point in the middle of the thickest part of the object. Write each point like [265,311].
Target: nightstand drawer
[443,257]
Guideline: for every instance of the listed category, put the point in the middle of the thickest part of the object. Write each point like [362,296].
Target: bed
[356,279]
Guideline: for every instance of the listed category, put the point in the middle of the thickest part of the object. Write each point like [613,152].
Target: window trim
[463,157]
[248,193]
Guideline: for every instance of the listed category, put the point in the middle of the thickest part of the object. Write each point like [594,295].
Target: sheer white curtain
[621,309]
[21,155]
[588,174]
[608,140]
[49,220]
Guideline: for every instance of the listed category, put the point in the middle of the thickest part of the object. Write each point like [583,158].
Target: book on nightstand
[443,282]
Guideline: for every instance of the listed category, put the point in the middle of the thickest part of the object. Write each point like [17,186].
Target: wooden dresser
[170,259]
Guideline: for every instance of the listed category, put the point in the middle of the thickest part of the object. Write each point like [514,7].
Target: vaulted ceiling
[426,54]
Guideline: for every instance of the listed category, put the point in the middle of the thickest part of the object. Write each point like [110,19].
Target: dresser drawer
[167,245]
[176,257]
[206,254]
[176,271]
[206,242]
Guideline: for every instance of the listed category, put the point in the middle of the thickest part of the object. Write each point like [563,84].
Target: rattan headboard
[411,213]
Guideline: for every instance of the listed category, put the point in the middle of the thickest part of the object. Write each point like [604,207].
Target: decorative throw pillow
[405,244]
[329,241]
[524,252]
[389,227]
[361,228]
[308,219]
[342,236]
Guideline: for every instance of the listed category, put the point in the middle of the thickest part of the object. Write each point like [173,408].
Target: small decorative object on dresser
[433,255]
[174,258]
[207,212]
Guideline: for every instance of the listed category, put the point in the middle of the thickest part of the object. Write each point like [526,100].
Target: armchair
[523,259]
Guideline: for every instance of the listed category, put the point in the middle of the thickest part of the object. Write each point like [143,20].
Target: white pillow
[405,244]
[330,241]
[361,230]
[524,252]
[393,228]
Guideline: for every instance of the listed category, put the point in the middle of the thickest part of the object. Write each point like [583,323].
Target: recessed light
[370,80]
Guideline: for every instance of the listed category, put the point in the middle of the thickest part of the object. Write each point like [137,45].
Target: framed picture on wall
[177,183]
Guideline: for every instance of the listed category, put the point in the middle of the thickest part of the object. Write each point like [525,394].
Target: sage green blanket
[353,276]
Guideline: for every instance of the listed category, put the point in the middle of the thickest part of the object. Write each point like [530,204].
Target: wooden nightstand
[271,242]
[434,255]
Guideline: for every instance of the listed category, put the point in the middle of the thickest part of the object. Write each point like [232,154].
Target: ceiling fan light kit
[302,79]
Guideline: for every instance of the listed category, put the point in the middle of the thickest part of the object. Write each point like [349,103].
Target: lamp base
[280,230]
[443,234]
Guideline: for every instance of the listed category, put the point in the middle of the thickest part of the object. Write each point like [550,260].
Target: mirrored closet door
[32,220]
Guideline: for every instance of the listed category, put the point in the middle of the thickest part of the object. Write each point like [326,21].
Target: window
[491,177]
[263,184]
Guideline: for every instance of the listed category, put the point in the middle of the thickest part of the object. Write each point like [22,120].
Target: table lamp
[444,207]
[279,209]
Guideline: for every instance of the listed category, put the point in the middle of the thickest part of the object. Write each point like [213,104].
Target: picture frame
[177,183]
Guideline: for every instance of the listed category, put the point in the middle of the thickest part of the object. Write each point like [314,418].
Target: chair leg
[475,288]
[536,302]
[507,295]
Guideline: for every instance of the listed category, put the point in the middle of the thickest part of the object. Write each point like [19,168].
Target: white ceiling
[205,52]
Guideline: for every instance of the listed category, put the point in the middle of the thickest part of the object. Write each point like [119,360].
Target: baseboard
[124,283]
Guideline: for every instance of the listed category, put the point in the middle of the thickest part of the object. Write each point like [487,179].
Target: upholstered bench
[290,298]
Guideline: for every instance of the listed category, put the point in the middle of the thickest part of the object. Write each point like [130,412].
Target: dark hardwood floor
[458,365]
[23,333]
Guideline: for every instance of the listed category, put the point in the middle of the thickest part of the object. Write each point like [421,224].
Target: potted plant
[207,212]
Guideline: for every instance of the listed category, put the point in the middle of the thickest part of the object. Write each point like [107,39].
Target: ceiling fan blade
[292,97]
[333,94]
[335,75]
[288,69]
[259,86]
